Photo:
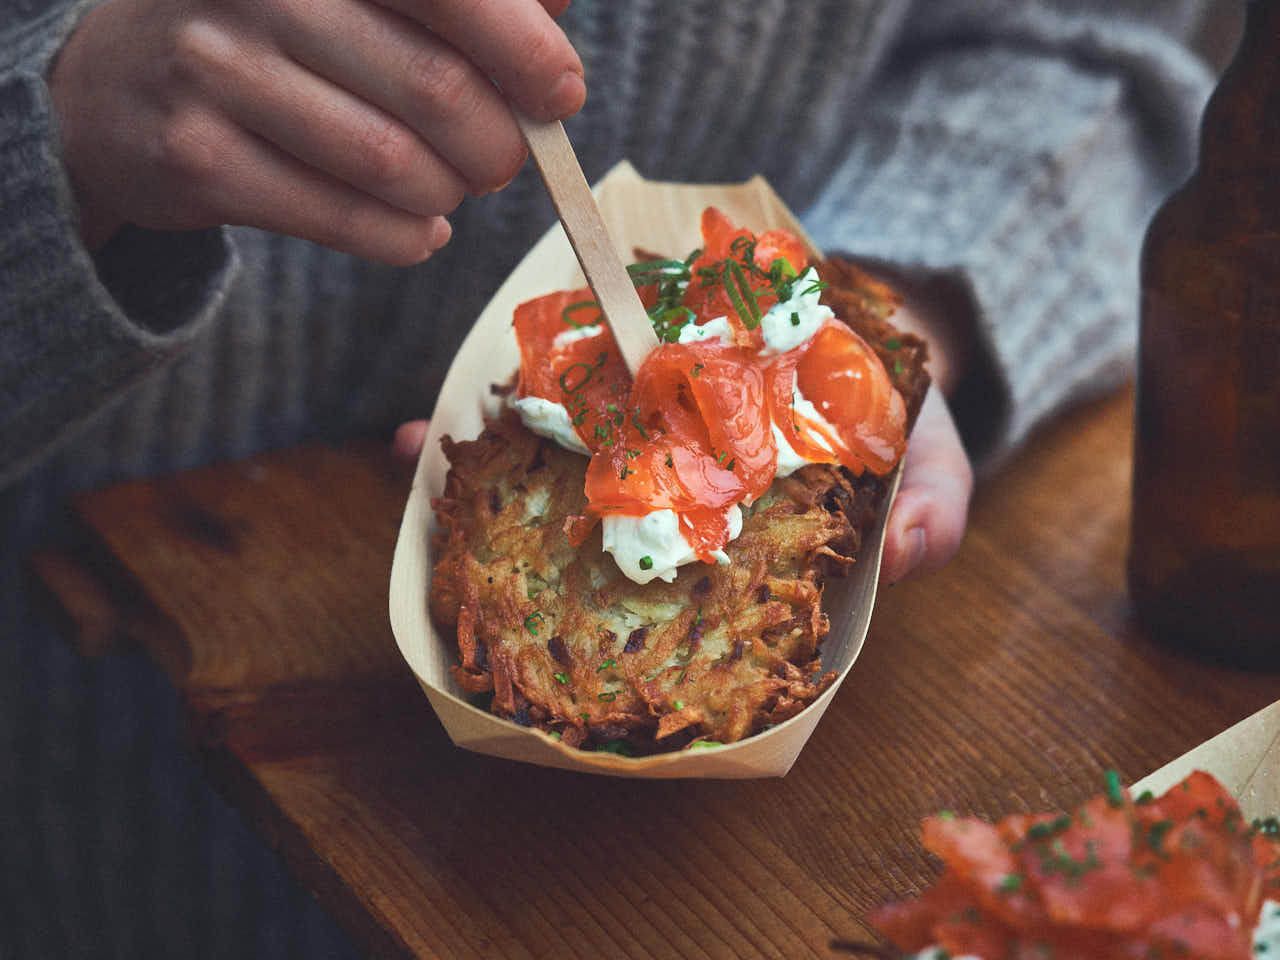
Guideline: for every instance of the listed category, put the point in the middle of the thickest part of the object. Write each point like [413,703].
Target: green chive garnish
[585,377]
[567,313]
[1115,792]
[1011,883]
[741,295]
[646,562]
[561,677]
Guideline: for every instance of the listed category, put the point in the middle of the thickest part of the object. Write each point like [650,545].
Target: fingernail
[909,558]
[440,234]
[567,96]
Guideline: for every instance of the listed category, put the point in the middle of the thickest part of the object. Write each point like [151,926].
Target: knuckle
[201,51]
[543,55]
[188,147]
[387,153]
[439,78]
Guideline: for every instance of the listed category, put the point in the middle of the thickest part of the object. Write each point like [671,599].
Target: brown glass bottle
[1204,561]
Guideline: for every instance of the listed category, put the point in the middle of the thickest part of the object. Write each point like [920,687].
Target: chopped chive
[678,704]
[646,562]
[741,296]
[586,377]
[897,368]
[670,462]
[697,369]
[1156,833]
[532,620]
[795,319]
[705,744]
[661,269]
[893,343]
[607,665]
[608,696]
[1115,792]
[561,677]
[1011,883]
[579,418]
[620,747]
[567,313]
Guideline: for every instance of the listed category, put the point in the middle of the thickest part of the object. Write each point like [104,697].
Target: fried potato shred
[555,636]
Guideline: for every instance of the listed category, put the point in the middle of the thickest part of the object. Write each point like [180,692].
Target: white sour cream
[656,536]
[788,460]
[1266,935]
[574,334]
[792,322]
[656,539]
[550,420]
[716,328]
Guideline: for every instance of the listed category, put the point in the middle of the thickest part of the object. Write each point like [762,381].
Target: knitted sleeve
[1018,152]
[76,331]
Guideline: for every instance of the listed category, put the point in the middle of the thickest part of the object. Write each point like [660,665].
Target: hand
[353,123]
[928,517]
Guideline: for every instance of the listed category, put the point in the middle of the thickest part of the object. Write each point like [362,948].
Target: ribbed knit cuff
[75,334]
[1028,180]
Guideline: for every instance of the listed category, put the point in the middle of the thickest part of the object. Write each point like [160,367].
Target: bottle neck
[1241,126]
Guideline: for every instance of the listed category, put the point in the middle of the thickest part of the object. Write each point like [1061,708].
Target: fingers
[318,122]
[394,63]
[409,438]
[234,177]
[515,42]
[929,515]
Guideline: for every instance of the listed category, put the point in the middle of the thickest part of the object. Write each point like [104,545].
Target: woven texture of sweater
[1016,148]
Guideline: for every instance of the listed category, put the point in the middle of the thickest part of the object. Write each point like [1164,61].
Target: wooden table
[1009,681]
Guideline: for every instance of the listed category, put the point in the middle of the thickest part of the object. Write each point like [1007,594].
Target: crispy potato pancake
[559,638]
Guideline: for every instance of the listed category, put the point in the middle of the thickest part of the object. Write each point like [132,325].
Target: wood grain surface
[1009,681]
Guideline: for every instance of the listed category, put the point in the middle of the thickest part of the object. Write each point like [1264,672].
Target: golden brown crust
[562,640]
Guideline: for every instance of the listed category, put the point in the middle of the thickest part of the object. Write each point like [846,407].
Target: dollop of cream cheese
[656,536]
[655,539]
[550,420]
[788,460]
[794,321]
[575,334]
[717,328]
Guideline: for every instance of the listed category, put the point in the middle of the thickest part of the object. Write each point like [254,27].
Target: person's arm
[73,334]
[1008,162]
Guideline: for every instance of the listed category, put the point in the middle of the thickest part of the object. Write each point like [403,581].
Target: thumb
[929,515]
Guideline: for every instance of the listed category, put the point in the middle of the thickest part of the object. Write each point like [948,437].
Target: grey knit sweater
[1017,147]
